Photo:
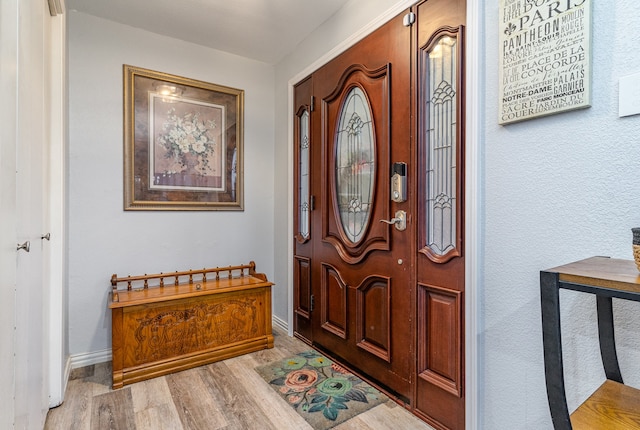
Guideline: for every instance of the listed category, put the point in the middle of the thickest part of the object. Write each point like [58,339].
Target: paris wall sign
[545,58]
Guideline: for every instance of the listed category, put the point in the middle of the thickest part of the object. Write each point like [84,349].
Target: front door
[379,267]
[362,263]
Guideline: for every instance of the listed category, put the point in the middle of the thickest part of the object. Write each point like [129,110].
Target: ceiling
[264,30]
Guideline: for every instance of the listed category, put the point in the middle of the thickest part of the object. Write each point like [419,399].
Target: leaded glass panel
[304,218]
[441,156]
[354,164]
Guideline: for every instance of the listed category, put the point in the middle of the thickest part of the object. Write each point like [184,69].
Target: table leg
[552,345]
[607,339]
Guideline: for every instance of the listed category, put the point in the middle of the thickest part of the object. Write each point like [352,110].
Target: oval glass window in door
[355,164]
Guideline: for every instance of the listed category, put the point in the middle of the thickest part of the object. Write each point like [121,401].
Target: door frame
[474,117]
[56,277]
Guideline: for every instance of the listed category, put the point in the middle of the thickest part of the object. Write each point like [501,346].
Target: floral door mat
[321,391]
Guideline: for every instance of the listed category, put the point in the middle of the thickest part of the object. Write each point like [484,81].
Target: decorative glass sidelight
[304,194]
[441,145]
[355,164]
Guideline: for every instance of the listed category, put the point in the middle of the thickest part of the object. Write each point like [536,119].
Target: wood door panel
[302,297]
[333,302]
[439,337]
[373,330]
[302,282]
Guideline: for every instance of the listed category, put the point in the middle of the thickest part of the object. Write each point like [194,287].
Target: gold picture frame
[183,143]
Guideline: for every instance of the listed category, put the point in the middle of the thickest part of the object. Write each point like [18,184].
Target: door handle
[24,246]
[400,221]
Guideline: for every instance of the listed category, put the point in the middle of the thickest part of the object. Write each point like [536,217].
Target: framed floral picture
[183,143]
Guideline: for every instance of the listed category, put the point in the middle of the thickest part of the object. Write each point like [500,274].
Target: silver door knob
[25,246]
[400,221]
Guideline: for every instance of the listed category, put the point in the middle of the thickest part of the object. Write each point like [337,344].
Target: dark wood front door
[362,267]
[379,276]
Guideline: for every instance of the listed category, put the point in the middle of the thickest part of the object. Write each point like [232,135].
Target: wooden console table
[614,405]
[213,314]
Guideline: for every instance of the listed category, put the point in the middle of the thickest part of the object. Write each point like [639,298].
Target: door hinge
[312,103]
[312,203]
[312,303]
[409,19]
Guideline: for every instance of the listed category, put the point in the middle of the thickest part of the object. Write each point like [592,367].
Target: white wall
[104,239]
[556,189]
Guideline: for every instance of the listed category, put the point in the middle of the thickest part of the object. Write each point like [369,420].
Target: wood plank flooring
[227,395]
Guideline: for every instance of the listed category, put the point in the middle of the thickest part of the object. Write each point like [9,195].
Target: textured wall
[103,239]
[556,189]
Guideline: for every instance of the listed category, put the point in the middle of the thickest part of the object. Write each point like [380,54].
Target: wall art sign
[544,59]
[182,143]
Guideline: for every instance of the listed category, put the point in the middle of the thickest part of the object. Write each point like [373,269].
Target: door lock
[399,182]
[400,220]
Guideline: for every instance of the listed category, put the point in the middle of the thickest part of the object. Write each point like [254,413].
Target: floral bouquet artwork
[187,144]
[189,141]
[322,392]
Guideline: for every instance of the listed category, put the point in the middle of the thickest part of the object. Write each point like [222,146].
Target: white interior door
[24,151]
[8,115]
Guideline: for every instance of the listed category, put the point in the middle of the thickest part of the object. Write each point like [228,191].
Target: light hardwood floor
[225,395]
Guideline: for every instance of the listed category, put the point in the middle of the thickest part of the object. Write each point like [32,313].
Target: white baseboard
[280,323]
[89,358]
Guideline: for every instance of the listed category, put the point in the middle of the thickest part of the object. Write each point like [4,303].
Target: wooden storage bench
[187,319]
